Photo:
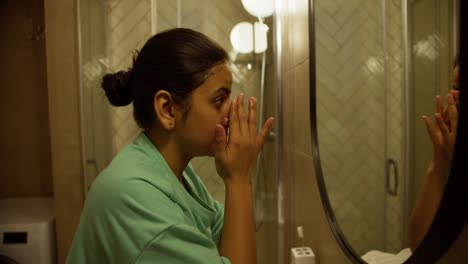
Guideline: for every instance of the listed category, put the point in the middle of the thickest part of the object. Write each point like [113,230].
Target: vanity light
[259,8]
[244,36]
[260,35]
[241,37]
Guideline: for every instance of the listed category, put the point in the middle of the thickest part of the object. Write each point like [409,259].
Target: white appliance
[27,230]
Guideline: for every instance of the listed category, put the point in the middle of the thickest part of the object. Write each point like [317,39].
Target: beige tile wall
[129,27]
[396,223]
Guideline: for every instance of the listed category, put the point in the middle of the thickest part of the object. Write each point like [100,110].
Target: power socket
[302,255]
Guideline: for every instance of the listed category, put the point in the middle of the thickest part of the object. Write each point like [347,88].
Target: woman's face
[209,106]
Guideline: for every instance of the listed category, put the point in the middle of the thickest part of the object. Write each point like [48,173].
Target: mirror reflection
[379,67]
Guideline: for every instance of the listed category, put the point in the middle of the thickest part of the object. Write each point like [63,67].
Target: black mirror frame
[452,214]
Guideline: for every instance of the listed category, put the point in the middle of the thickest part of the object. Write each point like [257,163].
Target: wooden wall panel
[25,146]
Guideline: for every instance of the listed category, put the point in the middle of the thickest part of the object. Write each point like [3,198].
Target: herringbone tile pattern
[352,110]
[129,23]
[394,224]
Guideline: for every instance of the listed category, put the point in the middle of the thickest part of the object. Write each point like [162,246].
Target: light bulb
[241,37]
[259,8]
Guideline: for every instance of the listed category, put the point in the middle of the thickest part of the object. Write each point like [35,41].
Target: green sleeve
[181,244]
[218,222]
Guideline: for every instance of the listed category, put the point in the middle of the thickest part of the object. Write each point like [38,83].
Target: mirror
[376,67]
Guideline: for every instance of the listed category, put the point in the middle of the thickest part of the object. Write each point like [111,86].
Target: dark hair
[177,60]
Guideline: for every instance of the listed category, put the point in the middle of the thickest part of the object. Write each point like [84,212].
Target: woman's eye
[219,101]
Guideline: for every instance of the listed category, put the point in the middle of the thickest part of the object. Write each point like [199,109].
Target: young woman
[148,205]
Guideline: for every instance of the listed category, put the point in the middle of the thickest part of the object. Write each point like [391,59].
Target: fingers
[452,112]
[245,125]
[266,127]
[242,116]
[221,141]
[456,96]
[252,116]
[442,125]
[429,127]
[439,105]
[233,121]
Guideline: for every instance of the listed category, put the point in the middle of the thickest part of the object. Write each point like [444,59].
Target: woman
[148,205]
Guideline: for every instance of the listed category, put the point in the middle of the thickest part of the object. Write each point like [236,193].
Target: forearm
[238,239]
[427,204]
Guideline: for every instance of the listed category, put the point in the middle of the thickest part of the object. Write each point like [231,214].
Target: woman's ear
[163,107]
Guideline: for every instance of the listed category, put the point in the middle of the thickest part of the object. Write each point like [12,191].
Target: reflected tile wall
[352,89]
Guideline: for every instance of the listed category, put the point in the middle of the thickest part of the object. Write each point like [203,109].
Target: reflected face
[209,106]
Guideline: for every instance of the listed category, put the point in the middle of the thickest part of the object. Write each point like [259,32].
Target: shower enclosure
[111,31]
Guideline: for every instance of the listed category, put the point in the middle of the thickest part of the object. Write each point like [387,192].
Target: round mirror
[376,68]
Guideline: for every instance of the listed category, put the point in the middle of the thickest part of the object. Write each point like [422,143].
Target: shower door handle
[392,170]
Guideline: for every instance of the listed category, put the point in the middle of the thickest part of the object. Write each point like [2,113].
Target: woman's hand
[444,111]
[443,132]
[235,157]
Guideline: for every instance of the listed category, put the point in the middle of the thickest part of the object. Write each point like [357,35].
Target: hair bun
[118,88]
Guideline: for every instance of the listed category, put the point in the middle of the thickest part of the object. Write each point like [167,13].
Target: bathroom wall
[25,147]
[300,201]
[62,58]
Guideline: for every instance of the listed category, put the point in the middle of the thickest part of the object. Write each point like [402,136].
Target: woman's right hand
[236,156]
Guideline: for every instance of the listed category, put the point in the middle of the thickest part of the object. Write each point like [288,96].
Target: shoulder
[134,183]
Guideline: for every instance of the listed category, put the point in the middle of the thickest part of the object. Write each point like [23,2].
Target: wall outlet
[302,255]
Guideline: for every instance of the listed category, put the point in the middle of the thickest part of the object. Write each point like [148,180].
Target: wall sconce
[247,37]
[259,8]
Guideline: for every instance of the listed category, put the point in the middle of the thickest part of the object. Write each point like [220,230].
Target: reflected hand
[443,131]
[456,96]
[235,157]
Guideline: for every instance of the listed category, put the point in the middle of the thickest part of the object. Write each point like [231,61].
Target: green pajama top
[138,212]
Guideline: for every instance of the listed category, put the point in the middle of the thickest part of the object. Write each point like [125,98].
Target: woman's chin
[208,152]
